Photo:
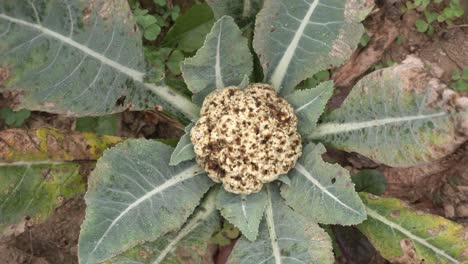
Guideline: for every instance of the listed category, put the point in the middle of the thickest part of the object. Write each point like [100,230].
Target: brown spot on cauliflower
[245,138]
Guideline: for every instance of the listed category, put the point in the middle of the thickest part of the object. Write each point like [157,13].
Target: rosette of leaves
[150,203]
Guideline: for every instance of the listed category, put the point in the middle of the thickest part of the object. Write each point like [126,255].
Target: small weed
[451,11]
[364,40]
[152,23]
[14,118]
[460,80]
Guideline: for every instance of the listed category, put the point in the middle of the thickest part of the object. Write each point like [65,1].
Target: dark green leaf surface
[190,243]
[297,38]
[190,29]
[309,105]
[224,60]
[184,150]
[78,58]
[321,191]
[397,116]
[135,196]
[243,211]
[284,237]
[243,11]
[370,181]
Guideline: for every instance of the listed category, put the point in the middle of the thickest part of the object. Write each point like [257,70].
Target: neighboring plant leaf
[399,109]
[34,191]
[370,181]
[187,245]
[391,225]
[223,60]
[190,29]
[309,105]
[321,191]
[243,11]
[284,237]
[49,146]
[88,60]
[135,196]
[184,150]
[104,125]
[36,173]
[243,211]
[296,39]
[14,118]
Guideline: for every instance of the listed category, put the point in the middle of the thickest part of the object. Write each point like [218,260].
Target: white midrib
[244,209]
[186,174]
[336,128]
[272,230]
[410,235]
[187,229]
[308,103]
[309,177]
[178,101]
[280,71]
[218,73]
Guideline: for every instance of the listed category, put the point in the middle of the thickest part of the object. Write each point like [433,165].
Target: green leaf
[243,211]
[243,11]
[321,191]
[456,75]
[146,20]
[34,191]
[105,125]
[369,181]
[296,39]
[135,196]
[430,16]
[78,58]
[421,25]
[37,173]
[398,109]
[364,39]
[184,150]
[174,61]
[223,60]
[284,237]
[190,29]
[160,2]
[461,85]
[192,239]
[152,32]
[465,74]
[309,105]
[14,118]
[391,225]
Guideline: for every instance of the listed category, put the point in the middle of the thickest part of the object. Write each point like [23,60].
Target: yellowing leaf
[392,224]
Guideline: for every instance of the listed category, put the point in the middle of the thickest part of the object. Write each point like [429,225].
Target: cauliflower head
[245,138]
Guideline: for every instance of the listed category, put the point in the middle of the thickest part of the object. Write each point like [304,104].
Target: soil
[440,187]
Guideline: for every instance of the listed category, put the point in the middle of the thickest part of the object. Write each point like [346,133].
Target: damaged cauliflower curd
[245,138]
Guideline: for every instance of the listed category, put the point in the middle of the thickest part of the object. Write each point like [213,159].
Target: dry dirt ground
[440,187]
